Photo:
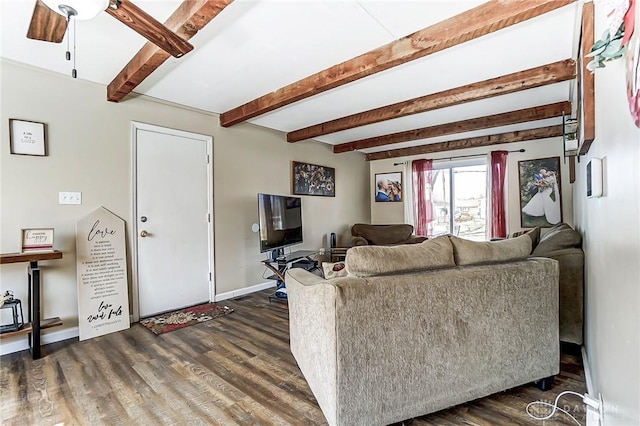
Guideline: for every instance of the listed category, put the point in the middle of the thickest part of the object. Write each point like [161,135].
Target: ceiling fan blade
[46,25]
[145,25]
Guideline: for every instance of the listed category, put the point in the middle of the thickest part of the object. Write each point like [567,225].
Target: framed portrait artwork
[311,179]
[388,187]
[540,192]
[27,137]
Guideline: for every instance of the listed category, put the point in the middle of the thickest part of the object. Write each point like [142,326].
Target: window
[459,194]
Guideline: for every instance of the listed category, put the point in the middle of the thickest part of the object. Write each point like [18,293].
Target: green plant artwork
[606,49]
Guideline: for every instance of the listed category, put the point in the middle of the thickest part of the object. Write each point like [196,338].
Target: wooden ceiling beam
[510,83]
[541,112]
[480,141]
[586,81]
[481,20]
[189,18]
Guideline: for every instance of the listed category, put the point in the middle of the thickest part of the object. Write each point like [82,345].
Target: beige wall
[90,151]
[394,212]
[611,234]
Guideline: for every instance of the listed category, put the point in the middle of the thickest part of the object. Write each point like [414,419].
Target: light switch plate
[70,198]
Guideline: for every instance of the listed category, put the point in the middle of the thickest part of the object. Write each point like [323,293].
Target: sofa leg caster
[545,384]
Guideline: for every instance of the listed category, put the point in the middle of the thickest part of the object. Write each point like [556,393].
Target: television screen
[280,220]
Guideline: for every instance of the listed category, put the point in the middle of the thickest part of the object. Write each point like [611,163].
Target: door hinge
[208,159]
[209,217]
[209,276]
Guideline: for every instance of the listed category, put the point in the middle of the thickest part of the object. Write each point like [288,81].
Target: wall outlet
[601,409]
[593,417]
[69,197]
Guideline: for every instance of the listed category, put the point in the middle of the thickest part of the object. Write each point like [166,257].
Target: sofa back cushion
[468,252]
[382,234]
[558,237]
[367,261]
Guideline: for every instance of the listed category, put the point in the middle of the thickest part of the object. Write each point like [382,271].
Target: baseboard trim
[70,333]
[587,371]
[45,339]
[243,291]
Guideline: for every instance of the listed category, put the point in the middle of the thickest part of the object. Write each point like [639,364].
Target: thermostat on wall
[594,178]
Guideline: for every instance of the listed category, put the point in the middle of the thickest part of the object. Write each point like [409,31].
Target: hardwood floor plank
[17,409]
[234,370]
[170,397]
[289,407]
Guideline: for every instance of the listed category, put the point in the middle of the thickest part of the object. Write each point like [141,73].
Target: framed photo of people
[388,187]
[540,192]
[311,179]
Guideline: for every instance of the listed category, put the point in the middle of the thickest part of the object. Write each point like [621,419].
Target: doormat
[175,320]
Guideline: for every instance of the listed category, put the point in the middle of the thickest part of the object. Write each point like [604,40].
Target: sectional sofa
[414,329]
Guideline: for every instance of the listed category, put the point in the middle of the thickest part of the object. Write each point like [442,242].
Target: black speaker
[275,254]
[333,239]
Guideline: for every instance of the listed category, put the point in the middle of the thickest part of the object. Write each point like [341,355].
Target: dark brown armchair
[383,235]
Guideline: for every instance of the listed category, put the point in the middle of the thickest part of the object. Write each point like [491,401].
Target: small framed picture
[27,137]
[36,239]
[388,187]
[311,179]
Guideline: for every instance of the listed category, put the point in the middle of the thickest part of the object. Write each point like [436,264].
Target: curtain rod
[462,156]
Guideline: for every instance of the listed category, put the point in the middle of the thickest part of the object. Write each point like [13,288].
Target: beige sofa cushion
[367,261]
[468,252]
[534,234]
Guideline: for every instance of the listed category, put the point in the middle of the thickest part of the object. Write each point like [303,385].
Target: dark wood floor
[232,370]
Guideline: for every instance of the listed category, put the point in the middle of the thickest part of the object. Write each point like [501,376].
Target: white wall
[90,151]
[611,232]
[394,212]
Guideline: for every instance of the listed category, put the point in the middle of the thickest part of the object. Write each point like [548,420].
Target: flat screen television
[280,218]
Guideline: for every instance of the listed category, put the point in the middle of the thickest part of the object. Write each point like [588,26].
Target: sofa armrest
[312,318]
[571,286]
[359,241]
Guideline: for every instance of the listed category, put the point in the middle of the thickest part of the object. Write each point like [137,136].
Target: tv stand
[280,266]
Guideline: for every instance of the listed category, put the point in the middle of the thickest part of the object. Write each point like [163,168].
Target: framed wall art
[311,179]
[36,240]
[388,187]
[540,192]
[27,137]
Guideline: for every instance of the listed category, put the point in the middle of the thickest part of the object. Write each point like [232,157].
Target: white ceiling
[257,46]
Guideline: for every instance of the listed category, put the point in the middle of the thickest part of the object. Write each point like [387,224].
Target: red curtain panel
[423,205]
[498,213]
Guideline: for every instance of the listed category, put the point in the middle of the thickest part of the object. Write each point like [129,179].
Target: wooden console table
[35,324]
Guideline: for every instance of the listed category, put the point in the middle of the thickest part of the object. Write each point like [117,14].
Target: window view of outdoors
[460,209]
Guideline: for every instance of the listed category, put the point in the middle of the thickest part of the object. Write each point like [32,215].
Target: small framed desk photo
[36,240]
[27,137]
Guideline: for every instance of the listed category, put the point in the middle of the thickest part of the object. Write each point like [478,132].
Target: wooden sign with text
[103,292]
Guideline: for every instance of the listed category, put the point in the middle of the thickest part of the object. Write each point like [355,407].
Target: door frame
[135,126]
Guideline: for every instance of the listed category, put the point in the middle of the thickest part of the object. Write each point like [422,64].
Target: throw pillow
[334,270]
[558,237]
[468,252]
[367,261]
[534,234]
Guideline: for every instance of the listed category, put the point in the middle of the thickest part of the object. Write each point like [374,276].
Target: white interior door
[173,229]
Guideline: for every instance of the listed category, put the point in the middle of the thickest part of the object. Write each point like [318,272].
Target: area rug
[175,320]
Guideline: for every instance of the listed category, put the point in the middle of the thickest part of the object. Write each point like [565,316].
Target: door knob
[143,233]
